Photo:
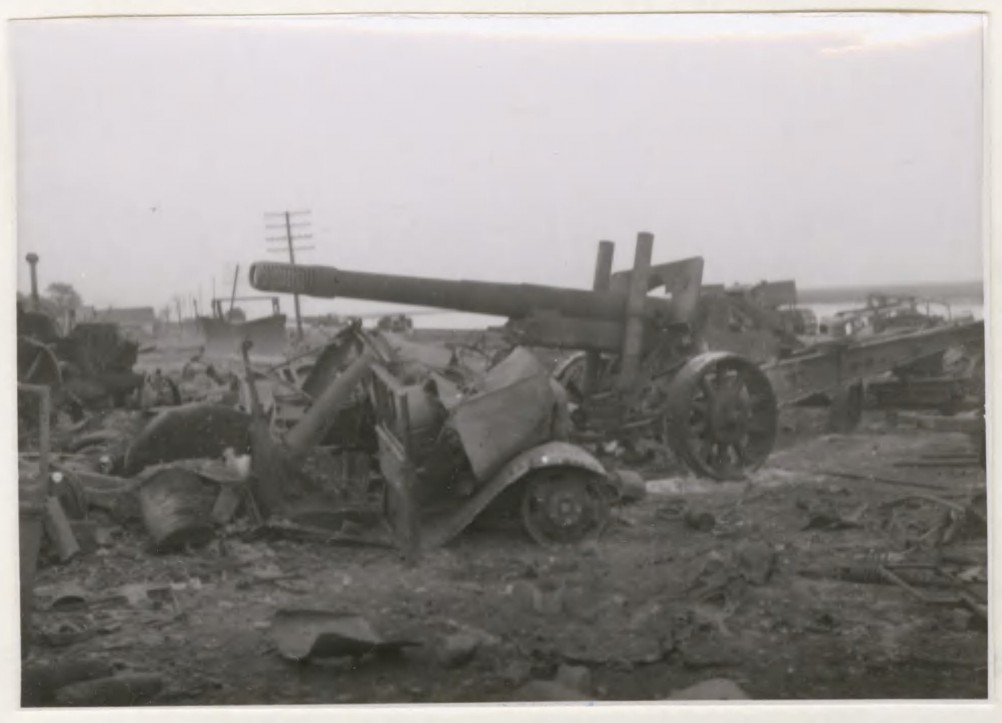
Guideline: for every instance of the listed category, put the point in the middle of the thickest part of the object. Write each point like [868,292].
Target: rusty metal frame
[393,430]
[825,369]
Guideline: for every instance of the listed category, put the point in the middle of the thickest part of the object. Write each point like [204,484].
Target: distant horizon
[831,293]
[970,289]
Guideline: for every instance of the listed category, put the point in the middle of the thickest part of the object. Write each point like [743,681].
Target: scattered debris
[378,440]
[173,504]
[301,635]
[831,519]
[194,431]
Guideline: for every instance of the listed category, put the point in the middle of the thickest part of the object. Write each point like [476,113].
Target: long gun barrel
[618,317]
[515,301]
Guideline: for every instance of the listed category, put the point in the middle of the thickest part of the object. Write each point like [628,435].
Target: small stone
[576,677]
[458,649]
[539,691]
[713,689]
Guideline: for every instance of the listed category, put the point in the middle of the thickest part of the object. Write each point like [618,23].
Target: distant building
[140,319]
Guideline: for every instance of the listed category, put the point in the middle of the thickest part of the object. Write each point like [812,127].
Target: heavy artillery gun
[648,372]
[644,368]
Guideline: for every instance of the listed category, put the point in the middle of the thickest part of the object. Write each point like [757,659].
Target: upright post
[603,273]
[33,263]
[292,260]
[633,329]
[288,239]
[233,293]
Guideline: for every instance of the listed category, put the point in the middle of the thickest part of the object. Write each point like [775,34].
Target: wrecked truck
[449,444]
[500,450]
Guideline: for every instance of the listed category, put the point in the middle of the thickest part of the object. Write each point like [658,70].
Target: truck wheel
[564,506]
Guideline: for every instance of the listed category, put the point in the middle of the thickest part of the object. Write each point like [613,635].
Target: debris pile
[213,498]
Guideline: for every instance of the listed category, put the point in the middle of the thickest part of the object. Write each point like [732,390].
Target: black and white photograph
[375,358]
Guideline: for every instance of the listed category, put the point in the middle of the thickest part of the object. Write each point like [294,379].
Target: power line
[288,238]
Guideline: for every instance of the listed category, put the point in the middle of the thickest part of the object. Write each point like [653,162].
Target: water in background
[958,308]
[456,320]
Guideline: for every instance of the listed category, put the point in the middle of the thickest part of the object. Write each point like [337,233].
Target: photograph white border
[753,711]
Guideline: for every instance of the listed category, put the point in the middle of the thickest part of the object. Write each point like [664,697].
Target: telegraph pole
[285,221]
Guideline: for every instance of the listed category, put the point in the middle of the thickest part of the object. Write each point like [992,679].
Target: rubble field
[808,581]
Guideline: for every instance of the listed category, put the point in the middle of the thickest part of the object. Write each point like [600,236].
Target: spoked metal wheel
[721,415]
[571,372]
[564,506]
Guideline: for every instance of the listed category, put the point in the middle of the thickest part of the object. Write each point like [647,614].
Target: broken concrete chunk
[303,634]
[713,689]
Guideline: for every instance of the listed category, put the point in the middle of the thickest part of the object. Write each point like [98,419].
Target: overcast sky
[829,149]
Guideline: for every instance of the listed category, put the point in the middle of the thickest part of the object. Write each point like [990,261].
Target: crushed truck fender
[550,454]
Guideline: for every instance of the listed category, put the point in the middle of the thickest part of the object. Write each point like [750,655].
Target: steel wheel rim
[562,508]
[722,416]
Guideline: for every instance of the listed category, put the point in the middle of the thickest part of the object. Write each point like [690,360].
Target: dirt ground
[656,605]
